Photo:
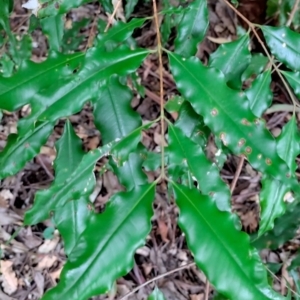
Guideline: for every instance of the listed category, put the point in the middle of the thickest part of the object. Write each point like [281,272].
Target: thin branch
[157,278]
[292,14]
[237,173]
[161,87]
[207,286]
[252,27]
[111,18]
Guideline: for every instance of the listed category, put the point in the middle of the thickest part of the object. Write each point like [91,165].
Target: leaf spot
[245,122]
[256,121]
[288,197]
[241,142]
[288,175]
[214,112]
[223,138]
[248,150]
[268,161]
[26,145]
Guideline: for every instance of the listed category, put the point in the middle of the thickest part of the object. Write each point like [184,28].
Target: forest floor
[33,257]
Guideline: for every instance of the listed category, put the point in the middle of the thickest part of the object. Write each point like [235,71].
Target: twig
[206,290]
[237,173]
[252,27]
[110,20]
[282,107]
[292,14]
[161,87]
[157,278]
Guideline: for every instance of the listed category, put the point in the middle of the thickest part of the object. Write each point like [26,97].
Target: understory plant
[224,99]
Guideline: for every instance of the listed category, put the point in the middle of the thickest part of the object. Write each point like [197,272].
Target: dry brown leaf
[163,230]
[46,262]
[40,283]
[55,275]
[49,245]
[8,277]
[5,297]
[197,297]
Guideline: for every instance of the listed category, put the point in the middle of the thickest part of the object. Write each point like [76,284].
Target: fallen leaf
[9,279]
[49,245]
[46,262]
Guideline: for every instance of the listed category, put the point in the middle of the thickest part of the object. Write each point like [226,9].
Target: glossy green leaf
[53,28]
[256,66]
[212,237]
[20,149]
[192,125]
[293,79]
[71,219]
[174,104]
[183,151]
[284,45]
[274,194]
[80,183]
[107,246]
[32,78]
[222,110]
[129,7]
[192,28]
[113,114]
[6,65]
[232,59]
[259,94]
[156,295]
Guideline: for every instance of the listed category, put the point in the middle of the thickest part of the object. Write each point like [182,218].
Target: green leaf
[192,125]
[53,28]
[293,79]
[71,220]
[113,114]
[21,149]
[118,33]
[212,237]
[285,228]
[256,66]
[259,94]
[106,246]
[174,104]
[192,28]
[6,65]
[129,7]
[232,59]
[226,112]
[33,77]
[73,37]
[55,7]
[284,44]
[183,151]
[79,183]
[156,295]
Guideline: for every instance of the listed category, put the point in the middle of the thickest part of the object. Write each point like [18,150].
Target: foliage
[225,99]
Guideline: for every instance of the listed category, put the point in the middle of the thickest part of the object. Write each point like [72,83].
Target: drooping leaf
[80,183]
[212,237]
[182,150]
[293,79]
[156,295]
[284,45]
[275,195]
[259,94]
[105,249]
[21,149]
[232,59]
[222,110]
[192,28]
[53,28]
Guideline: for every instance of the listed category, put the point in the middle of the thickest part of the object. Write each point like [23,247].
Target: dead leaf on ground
[8,277]
[46,262]
[49,245]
